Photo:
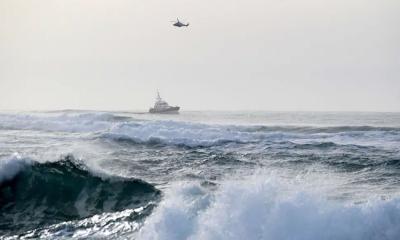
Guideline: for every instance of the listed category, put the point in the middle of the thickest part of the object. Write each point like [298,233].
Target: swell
[185,134]
[314,129]
[159,141]
[343,157]
[206,135]
[42,194]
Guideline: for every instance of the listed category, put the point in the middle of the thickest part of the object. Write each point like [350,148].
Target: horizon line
[142,111]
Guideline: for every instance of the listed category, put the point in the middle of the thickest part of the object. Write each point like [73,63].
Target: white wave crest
[10,166]
[180,133]
[195,134]
[66,122]
[263,210]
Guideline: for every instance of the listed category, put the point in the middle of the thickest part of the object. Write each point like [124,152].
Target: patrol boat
[162,106]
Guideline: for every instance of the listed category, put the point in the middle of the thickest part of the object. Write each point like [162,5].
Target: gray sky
[236,54]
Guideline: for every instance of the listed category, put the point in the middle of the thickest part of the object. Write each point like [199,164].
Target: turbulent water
[199,175]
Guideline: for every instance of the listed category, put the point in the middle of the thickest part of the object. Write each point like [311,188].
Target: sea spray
[263,208]
[10,166]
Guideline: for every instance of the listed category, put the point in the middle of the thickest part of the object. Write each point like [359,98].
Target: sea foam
[179,133]
[265,209]
[191,134]
[66,122]
[205,135]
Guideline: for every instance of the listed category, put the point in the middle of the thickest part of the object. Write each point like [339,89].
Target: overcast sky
[330,55]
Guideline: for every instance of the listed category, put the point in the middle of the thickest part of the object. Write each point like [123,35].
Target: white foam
[196,134]
[264,209]
[66,122]
[186,133]
[180,133]
[9,167]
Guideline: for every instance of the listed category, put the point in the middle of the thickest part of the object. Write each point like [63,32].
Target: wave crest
[264,210]
[9,167]
[178,133]
[65,122]
[47,193]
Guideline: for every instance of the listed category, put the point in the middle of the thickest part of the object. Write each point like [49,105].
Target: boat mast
[158,96]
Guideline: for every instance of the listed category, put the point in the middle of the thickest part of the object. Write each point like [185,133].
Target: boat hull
[170,110]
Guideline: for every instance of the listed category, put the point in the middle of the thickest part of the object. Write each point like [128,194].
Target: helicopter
[180,24]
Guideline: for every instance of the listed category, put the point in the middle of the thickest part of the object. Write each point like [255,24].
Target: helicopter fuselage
[179,24]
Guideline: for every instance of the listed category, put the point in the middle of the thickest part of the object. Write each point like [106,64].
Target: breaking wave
[66,122]
[265,209]
[205,135]
[179,133]
[33,195]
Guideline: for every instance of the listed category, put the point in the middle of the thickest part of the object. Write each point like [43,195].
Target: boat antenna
[158,95]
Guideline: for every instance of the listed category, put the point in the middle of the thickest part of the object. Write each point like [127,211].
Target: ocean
[200,175]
